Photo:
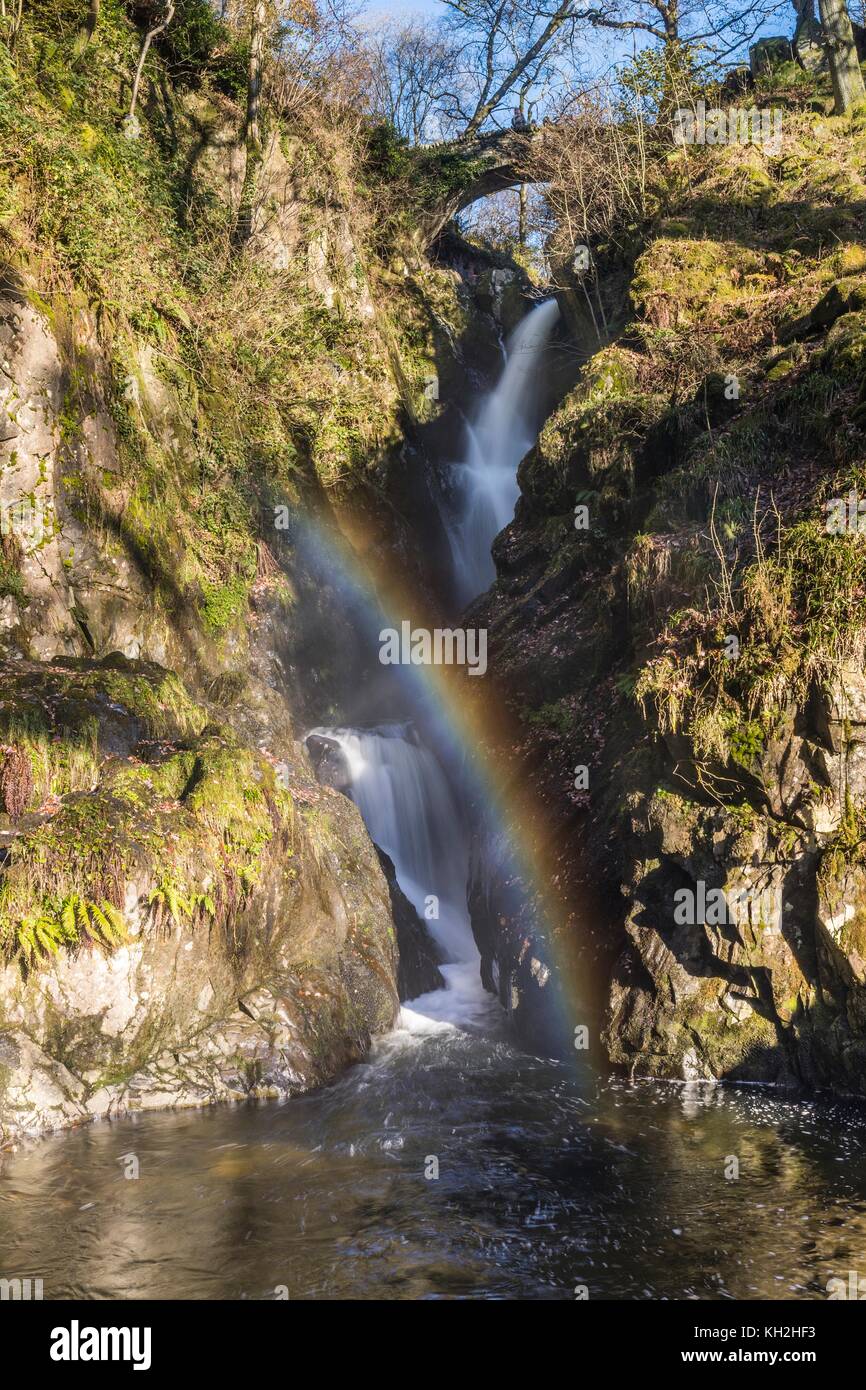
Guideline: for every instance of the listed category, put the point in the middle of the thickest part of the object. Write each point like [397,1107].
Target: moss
[223,605]
[686,282]
[197,824]
[56,714]
[11,584]
[733,1047]
[557,717]
[845,351]
[849,259]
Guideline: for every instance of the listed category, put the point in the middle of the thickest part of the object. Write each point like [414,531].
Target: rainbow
[475,721]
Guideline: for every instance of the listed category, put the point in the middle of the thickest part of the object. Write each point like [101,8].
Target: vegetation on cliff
[705,445]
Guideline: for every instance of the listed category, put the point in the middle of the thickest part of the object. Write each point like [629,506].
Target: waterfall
[410,810]
[504,429]
[405,795]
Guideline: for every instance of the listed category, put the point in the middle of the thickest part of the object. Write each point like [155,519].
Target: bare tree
[10,19]
[506,44]
[717,30]
[414,72]
[130,123]
[515,47]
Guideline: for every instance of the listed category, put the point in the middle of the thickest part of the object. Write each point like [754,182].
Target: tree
[293,45]
[413,67]
[262,18]
[720,29]
[130,123]
[507,44]
[517,48]
[841,50]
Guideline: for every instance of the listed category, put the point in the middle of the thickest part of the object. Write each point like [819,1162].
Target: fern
[67,917]
[106,924]
[168,898]
[43,936]
[40,937]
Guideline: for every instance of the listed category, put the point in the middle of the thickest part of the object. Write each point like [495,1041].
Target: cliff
[185,914]
[679,614]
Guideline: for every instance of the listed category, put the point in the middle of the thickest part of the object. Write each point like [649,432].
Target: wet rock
[271,986]
[418,971]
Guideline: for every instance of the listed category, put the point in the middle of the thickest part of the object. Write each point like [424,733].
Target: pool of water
[546,1183]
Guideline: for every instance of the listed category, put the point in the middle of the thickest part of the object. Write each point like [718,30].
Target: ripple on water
[543,1184]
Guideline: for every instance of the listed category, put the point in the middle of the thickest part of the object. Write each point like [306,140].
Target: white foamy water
[408,806]
[503,431]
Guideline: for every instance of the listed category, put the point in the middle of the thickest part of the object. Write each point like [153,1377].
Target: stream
[450,1164]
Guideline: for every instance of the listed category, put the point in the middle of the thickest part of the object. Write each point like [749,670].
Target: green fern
[43,936]
[168,898]
[107,924]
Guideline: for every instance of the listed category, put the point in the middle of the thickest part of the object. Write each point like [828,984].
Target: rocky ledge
[183,920]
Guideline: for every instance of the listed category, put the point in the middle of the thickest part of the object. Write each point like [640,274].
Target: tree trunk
[130,122]
[523,220]
[253,131]
[848,88]
[89,29]
[254,76]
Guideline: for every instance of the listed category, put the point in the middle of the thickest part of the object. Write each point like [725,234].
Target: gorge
[405,891]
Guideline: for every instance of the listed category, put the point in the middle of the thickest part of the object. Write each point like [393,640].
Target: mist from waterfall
[409,800]
[504,429]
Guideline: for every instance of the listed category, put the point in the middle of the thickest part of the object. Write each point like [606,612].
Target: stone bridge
[454,173]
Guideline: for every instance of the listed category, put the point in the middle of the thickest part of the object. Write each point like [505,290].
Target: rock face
[287,965]
[418,972]
[257,955]
[513,940]
[771,988]
[690,688]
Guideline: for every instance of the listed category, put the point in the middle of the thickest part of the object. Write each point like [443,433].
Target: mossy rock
[845,350]
[684,283]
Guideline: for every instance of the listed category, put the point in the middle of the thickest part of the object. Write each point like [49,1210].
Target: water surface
[545,1183]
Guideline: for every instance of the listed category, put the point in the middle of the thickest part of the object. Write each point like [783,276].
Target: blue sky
[781,23]
[403,7]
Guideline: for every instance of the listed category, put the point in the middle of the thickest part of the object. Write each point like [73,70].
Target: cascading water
[503,431]
[399,786]
[411,812]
